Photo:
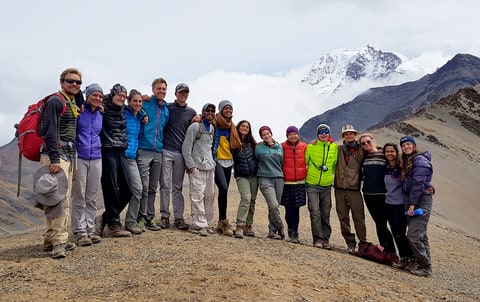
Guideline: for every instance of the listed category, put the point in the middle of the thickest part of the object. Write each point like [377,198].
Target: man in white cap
[347,189]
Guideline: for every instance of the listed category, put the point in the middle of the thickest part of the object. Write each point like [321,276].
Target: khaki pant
[346,201]
[56,229]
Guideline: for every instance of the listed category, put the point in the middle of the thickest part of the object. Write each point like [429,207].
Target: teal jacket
[270,160]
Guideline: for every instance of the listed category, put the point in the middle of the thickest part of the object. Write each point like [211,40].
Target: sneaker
[164,223]
[117,230]
[141,224]
[180,224]
[351,250]
[281,233]
[152,225]
[402,263]
[318,245]
[133,228]
[95,239]
[248,231]
[59,251]
[84,241]
[203,232]
[422,271]
[99,225]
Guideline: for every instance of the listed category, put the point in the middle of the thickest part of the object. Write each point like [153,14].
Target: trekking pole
[19,177]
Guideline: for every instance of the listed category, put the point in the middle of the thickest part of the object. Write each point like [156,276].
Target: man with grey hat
[347,188]
[58,131]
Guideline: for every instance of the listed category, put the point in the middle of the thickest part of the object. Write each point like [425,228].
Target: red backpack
[28,130]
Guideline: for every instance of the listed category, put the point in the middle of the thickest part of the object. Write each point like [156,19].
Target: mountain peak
[345,66]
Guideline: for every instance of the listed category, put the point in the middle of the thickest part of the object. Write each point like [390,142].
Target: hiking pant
[115,184]
[272,189]
[319,206]
[173,174]
[417,231]
[377,208]
[222,179]
[398,224]
[346,201]
[202,197]
[56,229]
[137,188]
[248,188]
[150,167]
[85,189]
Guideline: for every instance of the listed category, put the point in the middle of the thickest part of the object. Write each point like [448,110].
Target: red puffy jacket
[294,165]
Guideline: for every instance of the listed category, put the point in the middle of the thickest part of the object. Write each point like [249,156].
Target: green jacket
[317,155]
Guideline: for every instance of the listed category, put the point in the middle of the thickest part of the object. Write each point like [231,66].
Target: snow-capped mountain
[342,68]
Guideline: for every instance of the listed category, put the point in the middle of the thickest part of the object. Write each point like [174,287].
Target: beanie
[222,105]
[292,129]
[205,107]
[407,139]
[91,89]
[117,88]
[323,126]
[263,128]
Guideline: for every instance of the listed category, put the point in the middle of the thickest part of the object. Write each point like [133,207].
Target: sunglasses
[366,142]
[70,81]
[210,110]
[323,131]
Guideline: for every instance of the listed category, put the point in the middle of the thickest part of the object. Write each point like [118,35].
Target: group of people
[132,149]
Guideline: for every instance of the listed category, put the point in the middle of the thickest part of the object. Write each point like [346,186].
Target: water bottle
[416,212]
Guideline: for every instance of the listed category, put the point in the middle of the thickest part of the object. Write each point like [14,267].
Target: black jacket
[114,128]
[244,161]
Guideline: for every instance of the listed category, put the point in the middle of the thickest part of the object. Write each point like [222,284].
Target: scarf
[221,122]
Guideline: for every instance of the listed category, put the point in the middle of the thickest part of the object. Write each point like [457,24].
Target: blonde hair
[373,144]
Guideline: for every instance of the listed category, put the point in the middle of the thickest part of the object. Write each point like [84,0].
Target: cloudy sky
[253,53]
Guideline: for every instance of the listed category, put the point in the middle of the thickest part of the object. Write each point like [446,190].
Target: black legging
[222,179]
[115,184]
[377,208]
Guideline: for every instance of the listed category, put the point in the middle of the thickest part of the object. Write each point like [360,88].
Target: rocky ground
[173,265]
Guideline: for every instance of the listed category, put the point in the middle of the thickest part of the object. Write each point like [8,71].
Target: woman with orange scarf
[226,139]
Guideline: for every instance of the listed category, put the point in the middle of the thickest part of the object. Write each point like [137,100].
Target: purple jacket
[87,141]
[418,179]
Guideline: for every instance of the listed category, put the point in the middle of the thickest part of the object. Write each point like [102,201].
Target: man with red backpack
[58,131]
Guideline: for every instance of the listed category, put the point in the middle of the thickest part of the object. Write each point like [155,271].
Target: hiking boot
[99,225]
[180,224]
[95,239]
[272,234]
[116,230]
[293,235]
[326,246]
[164,223]
[351,250]
[402,263]
[223,227]
[84,241]
[239,231]
[203,232]
[59,251]
[248,231]
[141,224]
[412,265]
[48,246]
[317,244]
[151,225]
[422,271]
[281,233]
[133,228]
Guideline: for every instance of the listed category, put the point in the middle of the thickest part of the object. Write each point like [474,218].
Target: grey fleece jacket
[197,151]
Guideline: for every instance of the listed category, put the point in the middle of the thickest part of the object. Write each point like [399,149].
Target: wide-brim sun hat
[49,189]
[348,128]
